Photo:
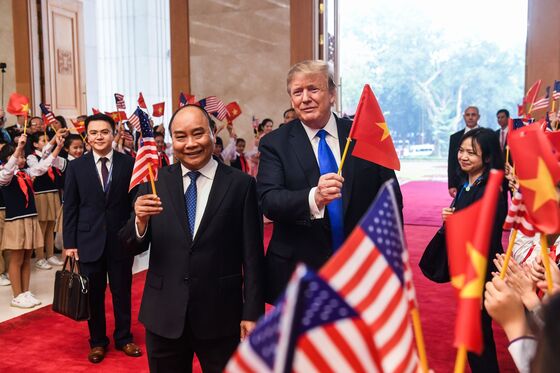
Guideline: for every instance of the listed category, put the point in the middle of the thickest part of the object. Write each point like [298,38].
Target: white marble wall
[127,51]
[240,51]
[7,53]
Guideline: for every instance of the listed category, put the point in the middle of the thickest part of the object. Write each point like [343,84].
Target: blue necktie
[190,200]
[327,164]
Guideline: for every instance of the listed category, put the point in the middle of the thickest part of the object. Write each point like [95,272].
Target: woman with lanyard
[478,153]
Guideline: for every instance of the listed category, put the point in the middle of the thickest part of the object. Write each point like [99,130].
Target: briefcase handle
[73,264]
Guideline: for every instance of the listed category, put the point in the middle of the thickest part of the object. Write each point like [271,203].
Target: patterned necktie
[327,163]
[104,172]
[190,200]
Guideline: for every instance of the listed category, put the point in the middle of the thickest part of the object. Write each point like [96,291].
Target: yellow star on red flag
[542,185]
[383,126]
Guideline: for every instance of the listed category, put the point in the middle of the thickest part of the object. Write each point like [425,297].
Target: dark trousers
[488,361]
[176,355]
[120,282]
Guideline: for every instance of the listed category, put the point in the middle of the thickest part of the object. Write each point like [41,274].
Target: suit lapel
[304,153]
[218,191]
[174,186]
[348,166]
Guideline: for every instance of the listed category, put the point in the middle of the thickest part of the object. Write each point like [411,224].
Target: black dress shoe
[96,354]
[131,349]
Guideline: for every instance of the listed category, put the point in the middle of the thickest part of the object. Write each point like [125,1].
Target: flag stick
[507,154]
[419,339]
[152,178]
[553,105]
[508,253]
[25,126]
[348,140]
[546,262]
[461,360]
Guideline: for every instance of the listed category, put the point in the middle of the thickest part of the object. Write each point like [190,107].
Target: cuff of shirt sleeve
[138,235]
[315,212]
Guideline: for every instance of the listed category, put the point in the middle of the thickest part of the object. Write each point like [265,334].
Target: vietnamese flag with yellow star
[18,104]
[373,140]
[468,233]
[158,109]
[538,172]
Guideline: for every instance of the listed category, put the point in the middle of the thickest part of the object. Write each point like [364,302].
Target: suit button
[187,279]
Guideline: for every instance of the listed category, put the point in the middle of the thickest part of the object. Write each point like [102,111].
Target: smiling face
[193,142]
[311,98]
[100,136]
[470,157]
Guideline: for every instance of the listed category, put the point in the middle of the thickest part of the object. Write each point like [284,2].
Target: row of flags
[531,103]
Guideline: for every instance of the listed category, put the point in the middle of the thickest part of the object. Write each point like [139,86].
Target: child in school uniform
[22,233]
[47,194]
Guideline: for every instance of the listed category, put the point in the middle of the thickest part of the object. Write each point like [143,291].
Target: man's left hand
[246,328]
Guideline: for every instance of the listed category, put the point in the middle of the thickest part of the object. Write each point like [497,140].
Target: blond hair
[309,67]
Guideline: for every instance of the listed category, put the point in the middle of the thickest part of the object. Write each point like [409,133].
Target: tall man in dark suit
[96,206]
[312,207]
[471,117]
[203,287]
[502,116]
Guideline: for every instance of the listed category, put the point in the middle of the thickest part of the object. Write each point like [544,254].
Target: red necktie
[243,162]
[25,184]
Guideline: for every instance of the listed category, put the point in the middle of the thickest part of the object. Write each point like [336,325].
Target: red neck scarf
[25,184]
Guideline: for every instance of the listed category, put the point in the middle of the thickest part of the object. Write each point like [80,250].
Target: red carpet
[42,341]
[423,201]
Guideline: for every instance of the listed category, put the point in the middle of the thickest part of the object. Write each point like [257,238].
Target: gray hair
[312,67]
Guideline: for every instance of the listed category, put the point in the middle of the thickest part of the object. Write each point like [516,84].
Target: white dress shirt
[333,142]
[109,164]
[203,186]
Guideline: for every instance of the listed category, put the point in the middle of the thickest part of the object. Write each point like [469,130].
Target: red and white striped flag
[135,122]
[147,153]
[48,116]
[372,274]
[517,217]
[543,102]
[119,100]
[216,107]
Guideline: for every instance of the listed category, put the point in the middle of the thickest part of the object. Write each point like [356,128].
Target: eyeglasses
[103,133]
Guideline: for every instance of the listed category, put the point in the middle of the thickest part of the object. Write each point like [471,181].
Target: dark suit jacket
[453,176]
[215,281]
[288,170]
[92,219]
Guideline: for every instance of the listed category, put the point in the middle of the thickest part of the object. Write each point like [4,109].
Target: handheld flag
[517,217]
[214,106]
[373,140]
[556,90]
[542,103]
[48,116]
[118,116]
[371,272]
[79,126]
[532,94]
[468,234]
[18,105]
[141,101]
[158,109]
[119,101]
[147,153]
[95,111]
[311,329]
[186,100]
[233,111]
[538,172]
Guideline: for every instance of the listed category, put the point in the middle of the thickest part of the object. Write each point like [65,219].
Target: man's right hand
[72,252]
[144,207]
[328,189]
[452,192]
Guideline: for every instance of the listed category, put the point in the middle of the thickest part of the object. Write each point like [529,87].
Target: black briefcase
[71,292]
[434,263]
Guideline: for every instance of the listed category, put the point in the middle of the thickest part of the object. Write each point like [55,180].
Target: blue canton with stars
[382,224]
[264,339]
[145,125]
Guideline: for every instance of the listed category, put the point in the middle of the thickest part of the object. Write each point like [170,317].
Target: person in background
[160,144]
[471,117]
[74,146]
[289,115]
[218,149]
[3,133]
[502,117]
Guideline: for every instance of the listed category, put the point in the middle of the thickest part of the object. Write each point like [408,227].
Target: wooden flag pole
[546,262]
[508,253]
[25,126]
[344,154]
[419,339]
[461,360]
[152,178]
[507,154]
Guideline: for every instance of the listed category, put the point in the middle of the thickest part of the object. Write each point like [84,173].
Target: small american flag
[48,116]
[556,90]
[147,153]
[135,122]
[542,103]
[372,273]
[517,217]
[312,329]
[214,106]
[182,100]
[119,100]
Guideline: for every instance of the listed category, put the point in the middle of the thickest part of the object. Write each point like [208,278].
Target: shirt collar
[208,170]
[109,156]
[330,127]
[467,129]
[39,152]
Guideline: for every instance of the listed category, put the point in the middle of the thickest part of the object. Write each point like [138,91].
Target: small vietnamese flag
[539,173]
[373,140]
[18,105]
[117,115]
[468,233]
[141,101]
[95,111]
[233,110]
[158,109]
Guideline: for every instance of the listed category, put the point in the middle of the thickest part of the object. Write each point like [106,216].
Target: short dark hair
[5,153]
[158,134]
[191,106]
[505,111]
[489,146]
[41,119]
[62,121]
[101,117]
[240,140]
[219,141]
[71,138]
[35,138]
[287,111]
